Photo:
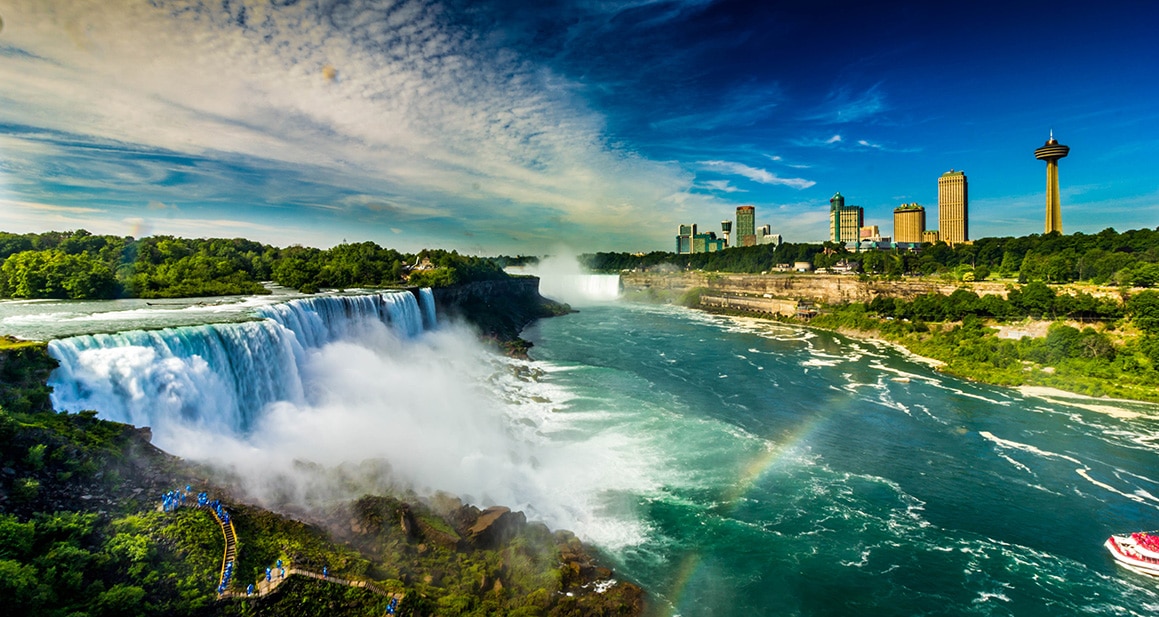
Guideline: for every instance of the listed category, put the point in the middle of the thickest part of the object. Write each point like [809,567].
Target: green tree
[1144,310]
[1034,299]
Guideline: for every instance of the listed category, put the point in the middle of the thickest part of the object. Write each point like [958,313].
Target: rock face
[499,309]
[827,288]
[495,526]
[518,553]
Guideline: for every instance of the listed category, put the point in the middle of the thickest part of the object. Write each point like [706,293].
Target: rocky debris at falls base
[100,482]
[553,573]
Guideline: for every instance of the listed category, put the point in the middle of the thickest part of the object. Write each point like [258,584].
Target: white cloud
[409,107]
[843,106]
[836,139]
[755,174]
[724,186]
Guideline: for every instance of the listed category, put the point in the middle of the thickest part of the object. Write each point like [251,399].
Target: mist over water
[329,398]
[561,278]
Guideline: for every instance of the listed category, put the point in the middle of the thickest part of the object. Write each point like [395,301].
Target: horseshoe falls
[730,466]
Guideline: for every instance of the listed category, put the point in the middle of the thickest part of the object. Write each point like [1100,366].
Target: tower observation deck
[1050,152]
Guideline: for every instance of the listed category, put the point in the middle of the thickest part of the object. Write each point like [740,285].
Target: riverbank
[972,350]
[983,331]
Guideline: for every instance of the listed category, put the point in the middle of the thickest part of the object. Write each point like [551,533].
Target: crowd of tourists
[226,576]
[1146,541]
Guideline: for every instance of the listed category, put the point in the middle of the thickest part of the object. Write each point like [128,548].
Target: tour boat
[1137,551]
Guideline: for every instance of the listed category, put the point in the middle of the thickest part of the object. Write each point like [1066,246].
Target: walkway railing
[269,583]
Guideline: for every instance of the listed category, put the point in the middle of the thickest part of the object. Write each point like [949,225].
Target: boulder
[495,526]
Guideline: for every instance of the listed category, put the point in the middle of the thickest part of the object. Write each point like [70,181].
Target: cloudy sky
[515,126]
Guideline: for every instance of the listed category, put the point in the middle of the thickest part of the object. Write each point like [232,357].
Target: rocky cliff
[500,309]
[826,288]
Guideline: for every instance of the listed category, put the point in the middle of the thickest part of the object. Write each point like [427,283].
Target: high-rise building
[844,221]
[684,235]
[746,225]
[953,205]
[1050,152]
[836,203]
[726,231]
[707,243]
[689,241]
[909,222]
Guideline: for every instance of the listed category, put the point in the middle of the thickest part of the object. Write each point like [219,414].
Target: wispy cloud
[53,208]
[819,142]
[780,159]
[843,106]
[798,222]
[723,186]
[741,106]
[756,174]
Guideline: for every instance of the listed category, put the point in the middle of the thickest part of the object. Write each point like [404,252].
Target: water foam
[330,397]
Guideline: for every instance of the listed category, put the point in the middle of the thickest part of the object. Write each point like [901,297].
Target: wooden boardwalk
[262,586]
[230,554]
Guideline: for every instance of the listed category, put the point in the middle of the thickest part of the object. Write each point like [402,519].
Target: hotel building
[953,205]
[909,223]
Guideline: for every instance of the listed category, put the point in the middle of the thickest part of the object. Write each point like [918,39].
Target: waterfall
[427,299]
[580,288]
[221,376]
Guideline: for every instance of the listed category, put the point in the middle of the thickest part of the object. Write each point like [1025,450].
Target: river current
[797,472]
[730,466]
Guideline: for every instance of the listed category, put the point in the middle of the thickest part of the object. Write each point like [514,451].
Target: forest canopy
[80,265]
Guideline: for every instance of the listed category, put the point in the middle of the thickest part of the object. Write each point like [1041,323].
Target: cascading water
[328,398]
[220,376]
[427,300]
[580,288]
[561,278]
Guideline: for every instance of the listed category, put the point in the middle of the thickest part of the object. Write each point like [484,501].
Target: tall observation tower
[1050,152]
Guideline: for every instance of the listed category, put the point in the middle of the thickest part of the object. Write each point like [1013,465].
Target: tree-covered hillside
[80,265]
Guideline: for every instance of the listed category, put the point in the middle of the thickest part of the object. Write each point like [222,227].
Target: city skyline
[492,127]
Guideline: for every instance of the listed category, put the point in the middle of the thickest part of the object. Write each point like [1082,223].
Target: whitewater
[731,466]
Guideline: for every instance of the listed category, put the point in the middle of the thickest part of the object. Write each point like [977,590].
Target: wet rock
[495,526]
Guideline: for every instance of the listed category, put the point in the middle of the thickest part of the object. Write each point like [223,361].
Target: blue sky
[520,127]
